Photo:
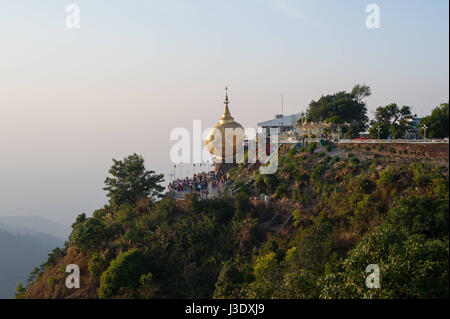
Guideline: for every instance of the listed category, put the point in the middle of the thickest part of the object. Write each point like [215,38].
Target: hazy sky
[71,100]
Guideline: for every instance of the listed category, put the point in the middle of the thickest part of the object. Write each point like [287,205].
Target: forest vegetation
[331,212]
[330,215]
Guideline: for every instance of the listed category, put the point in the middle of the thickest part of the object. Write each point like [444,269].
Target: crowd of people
[198,183]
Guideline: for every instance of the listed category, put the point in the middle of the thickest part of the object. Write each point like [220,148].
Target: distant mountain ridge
[33,224]
[25,242]
[15,229]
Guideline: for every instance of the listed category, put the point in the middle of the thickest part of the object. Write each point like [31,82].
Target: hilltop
[332,211]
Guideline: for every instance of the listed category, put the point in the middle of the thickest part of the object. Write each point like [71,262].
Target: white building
[281,123]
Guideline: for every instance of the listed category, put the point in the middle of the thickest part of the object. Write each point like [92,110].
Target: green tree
[267,277]
[97,265]
[301,284]
[315,246]
[33,275]
[147,287]
[437,122]
[87,233]
[242,206]
[234,274]
[342,107]
[20,291]
[411,250]
[130,181]
[266,183]
[124,272]
[361,91]
[413,267]
[392,120]
[54,256]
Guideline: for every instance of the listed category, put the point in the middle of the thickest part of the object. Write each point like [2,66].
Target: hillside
[332,212]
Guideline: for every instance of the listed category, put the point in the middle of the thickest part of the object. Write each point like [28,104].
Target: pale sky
[71,100]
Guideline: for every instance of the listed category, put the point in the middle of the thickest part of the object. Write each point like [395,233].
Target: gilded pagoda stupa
[225,139]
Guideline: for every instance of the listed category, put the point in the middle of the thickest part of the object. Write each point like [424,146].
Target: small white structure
[281,122]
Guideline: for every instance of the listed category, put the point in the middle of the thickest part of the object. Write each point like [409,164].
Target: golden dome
[222,130]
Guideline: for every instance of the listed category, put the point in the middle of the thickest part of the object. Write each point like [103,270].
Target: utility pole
[379,129]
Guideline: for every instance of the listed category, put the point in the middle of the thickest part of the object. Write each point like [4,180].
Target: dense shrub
[123,272]
[87,234]
[97,265]
[234,274]
[411,249]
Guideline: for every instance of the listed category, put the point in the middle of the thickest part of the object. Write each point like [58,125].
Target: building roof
[415,121]
[280,120]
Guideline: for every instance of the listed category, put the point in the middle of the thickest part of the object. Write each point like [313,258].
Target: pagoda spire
[226,116]
[227,101]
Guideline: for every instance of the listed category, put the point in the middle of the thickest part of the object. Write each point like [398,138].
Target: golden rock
[225,136]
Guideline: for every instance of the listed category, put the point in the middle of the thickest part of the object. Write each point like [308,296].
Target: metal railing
[395,141]
[290,137]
